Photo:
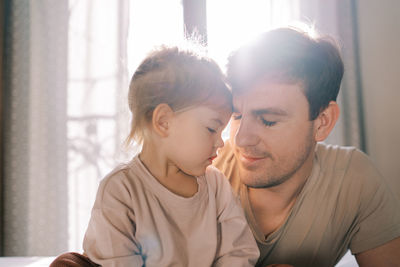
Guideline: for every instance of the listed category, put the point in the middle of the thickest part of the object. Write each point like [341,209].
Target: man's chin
[254,179]
[264,185]
[251,178]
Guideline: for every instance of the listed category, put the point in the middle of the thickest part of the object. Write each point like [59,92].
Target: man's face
[271,133]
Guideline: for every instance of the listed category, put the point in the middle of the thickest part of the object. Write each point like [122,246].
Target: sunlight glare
[150,27]
[231,23]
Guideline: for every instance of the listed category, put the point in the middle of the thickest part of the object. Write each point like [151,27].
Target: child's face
[195,136]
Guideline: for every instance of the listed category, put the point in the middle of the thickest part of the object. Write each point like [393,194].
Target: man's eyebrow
[272,111]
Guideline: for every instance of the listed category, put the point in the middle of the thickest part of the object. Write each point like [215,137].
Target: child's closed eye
[211,130]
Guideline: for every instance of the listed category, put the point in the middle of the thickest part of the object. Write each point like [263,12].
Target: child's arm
[237,246]
[110,236]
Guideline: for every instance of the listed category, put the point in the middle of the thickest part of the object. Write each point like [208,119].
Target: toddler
[169,206]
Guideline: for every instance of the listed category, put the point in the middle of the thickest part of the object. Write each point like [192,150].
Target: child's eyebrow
[217,121]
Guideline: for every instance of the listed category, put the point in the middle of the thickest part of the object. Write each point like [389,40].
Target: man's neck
[271,206]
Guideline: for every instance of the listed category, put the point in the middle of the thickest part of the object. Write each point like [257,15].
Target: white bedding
[25,261]
[347,261]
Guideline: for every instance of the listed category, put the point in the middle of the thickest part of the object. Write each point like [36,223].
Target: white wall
[379,36]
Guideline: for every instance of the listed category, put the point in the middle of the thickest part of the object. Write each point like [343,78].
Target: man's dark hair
[290,55]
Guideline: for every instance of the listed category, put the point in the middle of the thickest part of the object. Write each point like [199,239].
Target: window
[107,41]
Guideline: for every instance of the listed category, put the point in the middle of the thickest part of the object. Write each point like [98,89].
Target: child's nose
[219,143]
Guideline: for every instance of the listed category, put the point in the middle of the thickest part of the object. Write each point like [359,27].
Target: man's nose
[246,134]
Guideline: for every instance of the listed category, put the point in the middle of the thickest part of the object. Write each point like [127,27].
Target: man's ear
[326,120]
[162,116]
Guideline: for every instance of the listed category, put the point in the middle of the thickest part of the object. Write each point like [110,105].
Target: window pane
[107,39]
[153,22]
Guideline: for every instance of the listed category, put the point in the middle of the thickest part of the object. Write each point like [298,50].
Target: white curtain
[35,169]
[68,65]
[66,77]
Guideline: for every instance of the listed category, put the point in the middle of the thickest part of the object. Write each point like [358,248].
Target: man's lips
[250,158]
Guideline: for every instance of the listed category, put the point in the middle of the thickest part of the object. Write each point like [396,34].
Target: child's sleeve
[110,236]
[237,246]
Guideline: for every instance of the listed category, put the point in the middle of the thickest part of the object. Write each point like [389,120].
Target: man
[307,203]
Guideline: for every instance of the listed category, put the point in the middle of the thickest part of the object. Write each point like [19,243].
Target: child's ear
[162,116]
[326,120]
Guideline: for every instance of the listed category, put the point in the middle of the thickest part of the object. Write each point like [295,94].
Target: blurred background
[65,69]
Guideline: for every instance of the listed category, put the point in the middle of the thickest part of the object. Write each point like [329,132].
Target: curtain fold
[35,147]
[352,89]
[338,19]
[2,32]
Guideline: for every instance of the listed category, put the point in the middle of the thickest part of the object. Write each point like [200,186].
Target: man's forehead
[262,107]
[265,86]
[270,95]
[268,82]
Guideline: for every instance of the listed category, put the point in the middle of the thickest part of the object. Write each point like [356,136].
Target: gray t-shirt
[345,204]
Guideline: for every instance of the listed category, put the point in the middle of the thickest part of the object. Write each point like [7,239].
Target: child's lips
[212,158]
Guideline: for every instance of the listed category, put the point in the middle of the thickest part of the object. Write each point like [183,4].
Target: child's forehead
[218,115]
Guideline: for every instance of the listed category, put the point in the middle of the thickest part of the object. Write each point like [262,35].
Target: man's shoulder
[337,157]
[363,197]
[326,152]
[347,164]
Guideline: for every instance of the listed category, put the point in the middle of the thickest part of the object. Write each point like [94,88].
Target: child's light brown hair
[178,77]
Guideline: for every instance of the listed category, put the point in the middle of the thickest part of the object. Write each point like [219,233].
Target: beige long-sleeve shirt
[136,221]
